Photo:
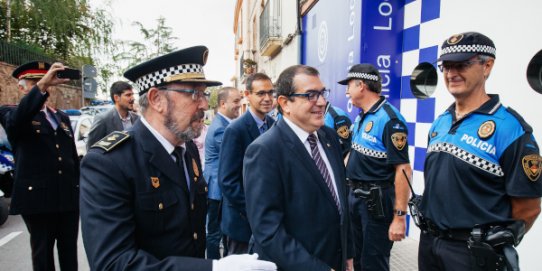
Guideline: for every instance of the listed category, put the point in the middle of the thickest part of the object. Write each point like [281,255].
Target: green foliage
[213,100]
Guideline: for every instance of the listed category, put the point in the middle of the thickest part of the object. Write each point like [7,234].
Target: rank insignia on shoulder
[155,182]
[399,140]
[486,130]
[532,165]
[195,168]
[111,141]
[369,126]
[343,131]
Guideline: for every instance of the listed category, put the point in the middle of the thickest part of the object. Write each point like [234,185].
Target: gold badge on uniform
[455,39]
[36,122]
[486,130]
[195,168]
[433,134]
[532,165]
[155,182]
[399,140]
[369,126]
[343,131]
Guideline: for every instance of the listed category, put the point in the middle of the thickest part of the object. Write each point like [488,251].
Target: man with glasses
[374,170]
[482,169]
[239,134]
[143,196]
[296,195]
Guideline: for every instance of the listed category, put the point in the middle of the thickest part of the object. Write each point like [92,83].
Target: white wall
[514,27]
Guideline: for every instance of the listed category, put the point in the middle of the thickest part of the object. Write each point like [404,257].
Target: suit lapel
[115,120]
[158,157]
[252,128]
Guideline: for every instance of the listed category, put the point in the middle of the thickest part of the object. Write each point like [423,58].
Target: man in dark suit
[143,198]
[229,102]
[119,118]
[46,190]
[294,179]
[239,134]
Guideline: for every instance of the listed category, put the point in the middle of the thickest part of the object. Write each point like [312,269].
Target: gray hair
[143,103]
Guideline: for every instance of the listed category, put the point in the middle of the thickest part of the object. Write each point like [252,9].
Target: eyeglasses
[458,66]
[312,95]
[196,95]
[263,93]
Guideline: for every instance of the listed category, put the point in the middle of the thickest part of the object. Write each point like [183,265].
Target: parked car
[81,127]
[95,109]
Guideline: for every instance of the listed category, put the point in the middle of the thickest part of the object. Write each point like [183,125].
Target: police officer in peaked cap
[482,169]
[143,196]
[46,188]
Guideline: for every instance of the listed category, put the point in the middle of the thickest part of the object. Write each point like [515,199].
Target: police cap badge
[461,47]
[31,70]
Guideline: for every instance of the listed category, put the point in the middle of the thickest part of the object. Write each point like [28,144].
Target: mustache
[200,114]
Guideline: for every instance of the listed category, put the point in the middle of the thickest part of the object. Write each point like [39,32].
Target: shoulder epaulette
[523,123]
[111,141]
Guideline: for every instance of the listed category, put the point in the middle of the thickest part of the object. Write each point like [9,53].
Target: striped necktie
[323,168]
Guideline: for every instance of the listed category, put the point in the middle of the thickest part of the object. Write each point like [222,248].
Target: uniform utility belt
[450,234]
[354,184]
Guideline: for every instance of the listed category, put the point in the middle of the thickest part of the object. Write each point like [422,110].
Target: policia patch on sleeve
[399,140]
[532,165]
[111,141]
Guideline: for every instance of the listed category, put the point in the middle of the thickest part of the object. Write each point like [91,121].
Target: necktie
[50,119]
[178,153]
[322,167]
[263,128]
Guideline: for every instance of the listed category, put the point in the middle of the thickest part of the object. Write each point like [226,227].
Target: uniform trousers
[443,255]
[214,234]
[44,230]
[374,244]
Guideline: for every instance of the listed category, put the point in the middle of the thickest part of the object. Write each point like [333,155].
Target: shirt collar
[259,122]
[488,108]
[228,119]
[128,116]
[381,101]
[163,141]
[300,133]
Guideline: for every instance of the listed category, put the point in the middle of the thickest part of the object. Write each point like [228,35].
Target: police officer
[46,190]
[374,170]
[336,119]
[143,196]
[483,164]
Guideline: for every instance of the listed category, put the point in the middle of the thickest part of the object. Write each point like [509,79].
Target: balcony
[270,29]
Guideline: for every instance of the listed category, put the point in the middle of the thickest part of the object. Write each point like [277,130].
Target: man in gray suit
[119,118]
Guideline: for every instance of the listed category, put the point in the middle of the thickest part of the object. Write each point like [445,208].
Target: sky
[194,22]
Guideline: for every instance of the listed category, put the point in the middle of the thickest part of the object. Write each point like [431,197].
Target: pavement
[404,255]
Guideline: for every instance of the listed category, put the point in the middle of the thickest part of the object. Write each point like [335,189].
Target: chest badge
[434,134]
[532,165]
[399,140]
[155,182]
[195,168]
[486,130]
[368,127]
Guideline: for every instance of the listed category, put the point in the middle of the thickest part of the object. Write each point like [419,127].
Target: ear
[285,104]
[116,98]
[488,66]
[156,99]
[246,92]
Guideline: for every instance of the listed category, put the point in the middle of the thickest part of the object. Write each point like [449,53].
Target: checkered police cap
[363,72]
[461,47]
[183,66]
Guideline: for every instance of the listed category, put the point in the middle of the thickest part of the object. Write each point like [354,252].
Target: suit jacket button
[60,172]
[160,206]
[57,146]
[60,159]
[192,206]
[195,236]
[206,190]
[30,188]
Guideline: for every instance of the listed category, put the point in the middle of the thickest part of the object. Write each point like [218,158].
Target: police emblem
[369,126]
[195,168]
[399,140]
[455,39]
[155,182]
[343,131]
[532,165]
[486,130]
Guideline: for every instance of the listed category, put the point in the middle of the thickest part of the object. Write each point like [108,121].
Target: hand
[350,265]
[243,262]
[50,79]
[397,228]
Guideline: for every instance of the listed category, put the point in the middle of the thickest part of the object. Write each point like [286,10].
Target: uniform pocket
[155,208]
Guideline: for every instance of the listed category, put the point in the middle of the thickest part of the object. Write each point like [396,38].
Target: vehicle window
[85,127]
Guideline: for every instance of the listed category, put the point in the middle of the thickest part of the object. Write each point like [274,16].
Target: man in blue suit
[294,179]
[239,134]
[229,102]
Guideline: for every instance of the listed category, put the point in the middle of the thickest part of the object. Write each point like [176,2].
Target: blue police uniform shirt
[379,143]
[475,164]
[328,118]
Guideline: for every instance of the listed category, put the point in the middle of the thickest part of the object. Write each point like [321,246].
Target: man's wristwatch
[399,212]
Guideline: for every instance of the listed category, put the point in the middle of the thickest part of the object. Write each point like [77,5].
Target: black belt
[449,234]
[367,185]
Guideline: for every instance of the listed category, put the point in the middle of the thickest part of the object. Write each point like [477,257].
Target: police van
[403,38]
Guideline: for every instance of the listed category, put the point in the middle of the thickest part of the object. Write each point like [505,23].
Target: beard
[189,133]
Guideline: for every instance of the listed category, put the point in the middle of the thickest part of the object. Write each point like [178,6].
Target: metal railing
[16,55]
[270,21]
